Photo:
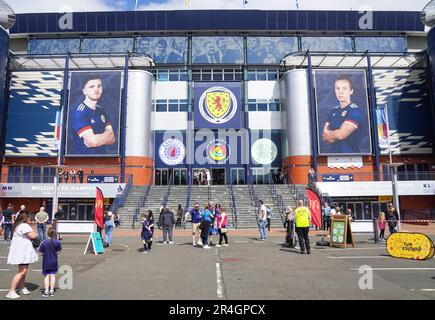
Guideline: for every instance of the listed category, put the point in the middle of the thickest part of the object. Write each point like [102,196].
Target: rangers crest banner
[218,105]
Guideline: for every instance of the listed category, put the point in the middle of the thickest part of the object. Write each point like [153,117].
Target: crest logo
[218,151]
[172,152]
[218,105]
[264,151]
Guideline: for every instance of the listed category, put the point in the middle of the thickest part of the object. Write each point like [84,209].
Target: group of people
[40,218]
[24,249]
[64,176]
[298,222]
[391,219]
[328,212]
[206,223]
[202,177]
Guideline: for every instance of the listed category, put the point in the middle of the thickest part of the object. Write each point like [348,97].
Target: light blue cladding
[53,46]
[104,45]
[337,44]
[380,44]
[270,50]
[163,49]
[33,104]
[405,95]
[213,50]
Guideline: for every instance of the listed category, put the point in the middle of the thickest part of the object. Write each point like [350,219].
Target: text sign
[413,246]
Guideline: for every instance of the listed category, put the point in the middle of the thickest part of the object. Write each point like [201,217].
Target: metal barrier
[233,207]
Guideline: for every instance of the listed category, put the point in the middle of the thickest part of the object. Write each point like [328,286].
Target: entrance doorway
[218,176]
[237,176]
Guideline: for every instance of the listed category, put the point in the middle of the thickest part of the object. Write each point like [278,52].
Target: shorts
[195,228]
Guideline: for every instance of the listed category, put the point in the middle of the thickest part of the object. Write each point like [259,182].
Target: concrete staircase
[246,212]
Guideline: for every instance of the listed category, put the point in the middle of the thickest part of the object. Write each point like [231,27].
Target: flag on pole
[188,2]
[58,129]
[315,208]
[297,4]
[99,208]
[382,124]
[135,6]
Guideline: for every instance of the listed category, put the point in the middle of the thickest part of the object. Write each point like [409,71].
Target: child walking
[49,249]
[146,233]
[381,224]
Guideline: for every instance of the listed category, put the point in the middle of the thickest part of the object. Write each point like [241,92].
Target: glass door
[237,176]
[358,211]
[180,176]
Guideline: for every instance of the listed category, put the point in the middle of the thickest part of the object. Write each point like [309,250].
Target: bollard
[375,230]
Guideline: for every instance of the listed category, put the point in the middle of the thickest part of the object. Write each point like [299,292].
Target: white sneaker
[297,247]
[225,245]
[206,247]
[194,244]
[218,245]
[199,243]
[12,295]
[171,242]
[25,291]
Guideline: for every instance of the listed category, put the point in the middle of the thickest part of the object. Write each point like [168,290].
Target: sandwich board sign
[341,232]
[97,243]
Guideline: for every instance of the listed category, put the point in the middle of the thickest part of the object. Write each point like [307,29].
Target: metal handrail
[120,199]
[233,207]
[168,191]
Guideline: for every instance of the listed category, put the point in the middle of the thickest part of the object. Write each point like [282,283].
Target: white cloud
[401,5]
[30,6]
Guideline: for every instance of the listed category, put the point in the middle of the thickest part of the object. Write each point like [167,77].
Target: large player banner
[94,113]
[218,105]
[342,112]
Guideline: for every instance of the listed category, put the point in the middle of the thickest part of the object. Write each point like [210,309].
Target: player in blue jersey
[343,129]
[91,127]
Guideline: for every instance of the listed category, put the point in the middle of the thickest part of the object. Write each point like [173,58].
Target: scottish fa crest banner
[218,105]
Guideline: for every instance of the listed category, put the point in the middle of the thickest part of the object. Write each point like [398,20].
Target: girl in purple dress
[146,234]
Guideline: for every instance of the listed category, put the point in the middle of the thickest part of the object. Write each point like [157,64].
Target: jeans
[304,241]
[42,231]
[262,226]
[7,230]
[108,231]
[166,231]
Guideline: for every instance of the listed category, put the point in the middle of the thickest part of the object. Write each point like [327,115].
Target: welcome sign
[218,105]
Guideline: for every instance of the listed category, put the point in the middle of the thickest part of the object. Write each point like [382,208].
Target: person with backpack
[207,218]
[49,249]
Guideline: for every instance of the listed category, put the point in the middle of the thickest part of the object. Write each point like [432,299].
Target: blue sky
[21,6]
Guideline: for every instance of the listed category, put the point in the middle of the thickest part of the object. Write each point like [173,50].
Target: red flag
[315,208]
[99,208]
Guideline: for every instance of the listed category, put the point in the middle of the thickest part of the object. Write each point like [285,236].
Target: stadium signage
[45,190]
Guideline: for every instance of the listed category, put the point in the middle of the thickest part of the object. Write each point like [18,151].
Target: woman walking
[109,226]
[222,220]
[21,253]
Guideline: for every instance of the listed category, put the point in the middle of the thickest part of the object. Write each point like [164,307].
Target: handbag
[224,230]
[36,243]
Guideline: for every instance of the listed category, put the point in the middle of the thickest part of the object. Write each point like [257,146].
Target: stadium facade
[242,93]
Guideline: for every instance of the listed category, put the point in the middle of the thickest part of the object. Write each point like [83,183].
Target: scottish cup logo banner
[218,105]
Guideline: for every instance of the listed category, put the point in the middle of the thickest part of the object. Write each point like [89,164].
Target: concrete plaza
[247,269]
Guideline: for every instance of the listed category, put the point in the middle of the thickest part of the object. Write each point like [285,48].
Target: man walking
[196,221]
[41,220]
[262,220]
[167,222]
[326,214]
[8,215]
[303,218]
